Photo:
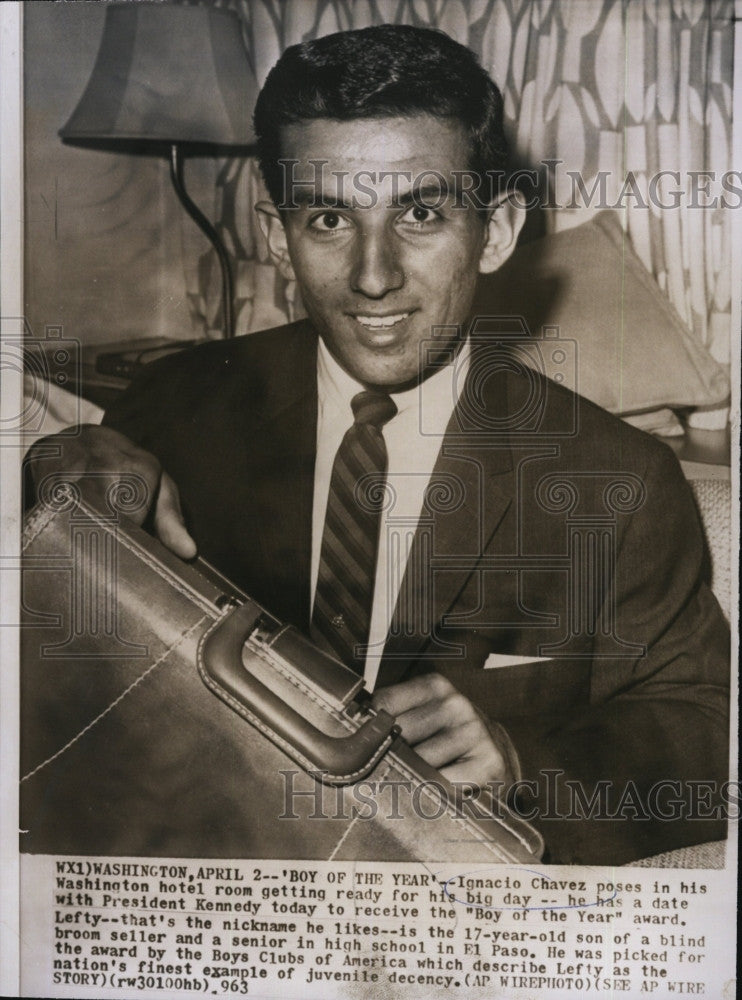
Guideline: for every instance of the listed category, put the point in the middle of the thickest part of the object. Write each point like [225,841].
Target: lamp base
[206,227]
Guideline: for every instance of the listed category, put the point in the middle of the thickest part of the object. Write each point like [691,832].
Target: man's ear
[504,223]
[272,228]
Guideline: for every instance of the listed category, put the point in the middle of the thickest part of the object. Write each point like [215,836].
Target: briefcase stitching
[293,679]
[352,823]
[45,515]
[500,853]
[36,522]
[158,567]
[291,751]
[284,744]
[453,811]
[277,661]
[186,635]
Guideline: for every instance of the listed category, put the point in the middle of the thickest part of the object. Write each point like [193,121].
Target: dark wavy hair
[380,72]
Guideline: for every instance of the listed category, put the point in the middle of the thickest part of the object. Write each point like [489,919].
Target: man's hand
[106,458]
[447,731]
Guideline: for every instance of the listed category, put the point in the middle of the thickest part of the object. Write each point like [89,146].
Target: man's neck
[451,354]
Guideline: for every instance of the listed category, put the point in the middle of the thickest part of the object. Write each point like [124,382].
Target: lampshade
[167,73]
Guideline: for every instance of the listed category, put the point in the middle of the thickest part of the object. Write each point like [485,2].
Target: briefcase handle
[338,760]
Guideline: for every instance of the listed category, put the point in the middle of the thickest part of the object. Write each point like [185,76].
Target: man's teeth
[378,322]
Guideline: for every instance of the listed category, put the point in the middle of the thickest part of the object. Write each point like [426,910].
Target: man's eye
[329,222]
[419,214]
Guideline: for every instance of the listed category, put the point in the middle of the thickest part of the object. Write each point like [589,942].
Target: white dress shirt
[413,440]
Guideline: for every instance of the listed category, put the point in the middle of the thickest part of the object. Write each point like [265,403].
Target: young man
[384,476]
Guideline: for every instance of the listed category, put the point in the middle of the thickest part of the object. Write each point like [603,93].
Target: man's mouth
[380,322]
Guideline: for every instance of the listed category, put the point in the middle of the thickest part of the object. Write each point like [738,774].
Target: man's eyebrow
[420,194]
[306,197]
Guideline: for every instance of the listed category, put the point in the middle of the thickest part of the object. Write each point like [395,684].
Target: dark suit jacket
[551,529]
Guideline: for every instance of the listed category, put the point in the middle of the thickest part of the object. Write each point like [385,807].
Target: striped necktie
[350,541]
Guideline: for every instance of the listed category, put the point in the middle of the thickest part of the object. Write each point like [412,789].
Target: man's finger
[433,716]
[450,745]
[169,523]
[420,722]
[400,698]
[473,772]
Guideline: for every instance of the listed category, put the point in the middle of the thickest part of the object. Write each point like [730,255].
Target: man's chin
[383,367]
[401,377]
[388,360]
[385,382]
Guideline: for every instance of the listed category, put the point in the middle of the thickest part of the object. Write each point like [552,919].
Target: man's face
[378,272]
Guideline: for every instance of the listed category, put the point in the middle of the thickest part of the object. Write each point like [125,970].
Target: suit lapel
[471,488]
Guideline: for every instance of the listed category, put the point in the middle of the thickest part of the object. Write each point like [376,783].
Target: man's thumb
[169,524]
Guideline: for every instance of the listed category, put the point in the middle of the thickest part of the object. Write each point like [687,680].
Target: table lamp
[171,80]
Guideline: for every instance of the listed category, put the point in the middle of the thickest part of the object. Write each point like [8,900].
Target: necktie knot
[375,408]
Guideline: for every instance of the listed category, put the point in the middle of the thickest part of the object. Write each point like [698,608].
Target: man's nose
[377,268]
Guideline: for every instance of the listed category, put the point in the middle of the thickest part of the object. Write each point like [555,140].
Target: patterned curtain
[629,88]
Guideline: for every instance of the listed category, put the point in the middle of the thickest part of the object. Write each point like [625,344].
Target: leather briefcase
[165,713]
